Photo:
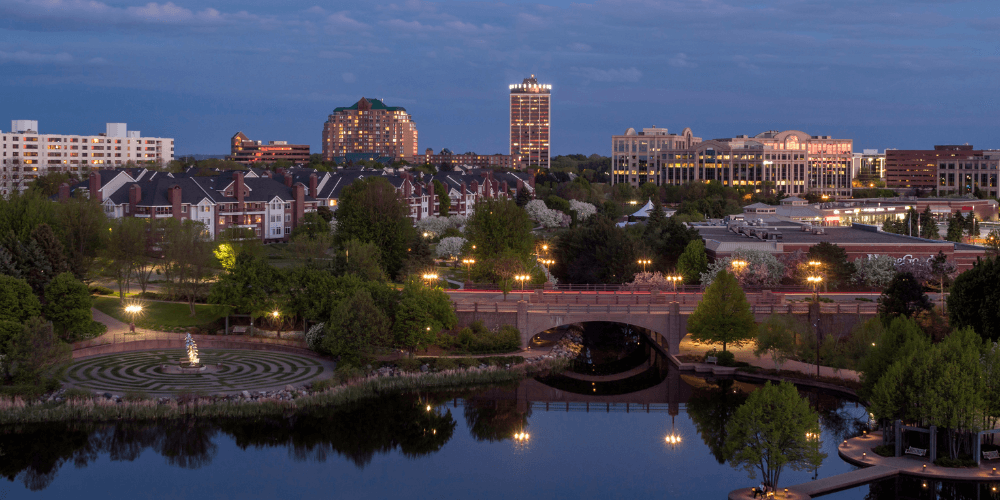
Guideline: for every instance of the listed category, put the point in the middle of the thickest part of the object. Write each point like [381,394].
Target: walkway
[745,353]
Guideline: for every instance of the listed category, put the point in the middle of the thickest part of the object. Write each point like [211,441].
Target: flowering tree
[760,269]
[450,247]
[920,269]
[458,222]
[583,209]
[648,280]
[433,224]
[543,215]
[875,271]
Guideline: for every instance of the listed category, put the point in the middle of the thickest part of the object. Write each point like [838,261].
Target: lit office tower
[529,123]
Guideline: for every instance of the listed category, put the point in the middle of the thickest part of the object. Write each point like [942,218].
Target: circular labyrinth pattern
[240,371]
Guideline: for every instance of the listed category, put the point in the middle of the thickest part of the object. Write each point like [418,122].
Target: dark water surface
[609,444]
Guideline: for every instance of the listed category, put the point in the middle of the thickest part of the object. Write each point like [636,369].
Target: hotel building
[370,127]
[27,154]
[789,161]
[247,152]
[530,117]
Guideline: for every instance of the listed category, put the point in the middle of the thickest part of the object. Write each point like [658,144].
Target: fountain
[191,364]
[192,350]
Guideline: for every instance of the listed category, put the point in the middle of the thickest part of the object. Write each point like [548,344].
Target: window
[288,230]
[288,217]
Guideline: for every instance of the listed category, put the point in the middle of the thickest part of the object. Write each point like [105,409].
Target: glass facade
[530,112]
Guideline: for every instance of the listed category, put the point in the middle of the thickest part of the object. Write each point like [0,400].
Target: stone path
[745,353]
[241,370]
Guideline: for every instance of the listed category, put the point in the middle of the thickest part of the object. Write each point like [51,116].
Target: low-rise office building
[26,154]
[911,170]
[970,174]
[247,152]
[467,159]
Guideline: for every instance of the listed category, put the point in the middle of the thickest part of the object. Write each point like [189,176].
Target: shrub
[478,340]
[726,358]
[100,290]
[324,384]
[442,364]
[409,364]
[467,362]
[885,450]
[962,461]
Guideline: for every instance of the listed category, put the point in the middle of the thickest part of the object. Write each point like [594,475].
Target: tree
[928,226]
[187,256]
[972,225]
[760,269]
[723,315]
[956,226]
[450,247]
[903,297]
[891,343]
[444,201]
[693,261]
[125,246]
[357,330]
[17,301]
[876,271]
[234,241]
[32,350]
[993,243]
[83,225]
[545,216]
[666,237]
[942,269]
[422,313]
[597,251]
[775,428]
[498,227]
[523,197]
[835,267]
[974,300]
[777,337]
[48,184]
[370,210]
[51,247]
[67,306]
[251,287]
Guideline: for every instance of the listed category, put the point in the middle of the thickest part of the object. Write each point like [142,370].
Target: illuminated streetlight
[429,277]
[674,279]
[673,439]
[644,263]
[132,310]
[522,278]
[738,265]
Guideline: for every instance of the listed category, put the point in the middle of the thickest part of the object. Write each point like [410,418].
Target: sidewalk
[745,353]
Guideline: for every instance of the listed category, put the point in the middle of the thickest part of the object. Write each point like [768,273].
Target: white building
[25,154]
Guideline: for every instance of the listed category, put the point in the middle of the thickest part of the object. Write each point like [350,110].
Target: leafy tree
[371,211]
[32,350]
[974,300]
[876,271]
[31,263]
[48,184]
[772,430]
[251,287]
[667,238]
[357,330]
[421,314]
[597,251]
[776,337]
[125,246]
[67,306]
[723,315]
[498,227]
[444,201]
[711,408]
[187,256]
[991,382]
[17,301]
[835,267]
[21,213]
[234,241]
[51,247]
[993,243]
[693,261]
[760,269]
[892,343]
[83,225]
[903,297]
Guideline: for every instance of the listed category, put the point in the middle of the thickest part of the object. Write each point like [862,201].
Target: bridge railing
[618,288]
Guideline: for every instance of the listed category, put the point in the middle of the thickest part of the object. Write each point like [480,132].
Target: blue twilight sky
[899,73]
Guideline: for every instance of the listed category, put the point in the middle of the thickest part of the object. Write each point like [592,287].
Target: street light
[522,278]
[673,281]
[132,310]
[468,268]
[429,277]
[673,439]
[738,265]
[645,262]
[814,281]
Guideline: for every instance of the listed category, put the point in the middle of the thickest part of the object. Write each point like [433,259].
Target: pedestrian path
[745,353]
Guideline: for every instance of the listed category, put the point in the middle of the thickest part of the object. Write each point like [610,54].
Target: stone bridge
[664,315]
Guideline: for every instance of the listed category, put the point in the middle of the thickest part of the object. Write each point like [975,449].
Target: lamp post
[522,278]
[644,263]
[468,268]
[815,281]
[275,316]
[673,439]
[132,310]
[429,277]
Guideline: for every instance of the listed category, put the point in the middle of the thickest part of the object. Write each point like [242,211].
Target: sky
[904,74]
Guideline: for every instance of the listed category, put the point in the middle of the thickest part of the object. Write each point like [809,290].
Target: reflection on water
[563,414]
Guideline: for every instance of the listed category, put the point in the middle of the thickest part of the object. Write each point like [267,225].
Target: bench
[991,455]
[915,451]
[712,360]
[239,329]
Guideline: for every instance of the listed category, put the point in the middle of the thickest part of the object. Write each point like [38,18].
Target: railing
[143,335]
[652,308]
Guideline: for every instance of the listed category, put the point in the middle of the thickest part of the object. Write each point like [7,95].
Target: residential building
[272,204]
[247,152]
[27,154]
[917,169]
[868,169]
[466,159]
[967,175]
[790,161]
[530,119]
[371,128]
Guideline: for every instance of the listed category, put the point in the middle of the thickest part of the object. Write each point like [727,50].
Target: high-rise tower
[530,113]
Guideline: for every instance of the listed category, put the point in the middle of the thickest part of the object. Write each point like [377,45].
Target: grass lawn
[165,316]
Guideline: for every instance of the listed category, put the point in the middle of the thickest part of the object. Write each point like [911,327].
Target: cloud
[334,54]
[348,77]
[630,75]
[579,47]
[24,57]
[680,61]
[93,13]
[342,21]
[743,62]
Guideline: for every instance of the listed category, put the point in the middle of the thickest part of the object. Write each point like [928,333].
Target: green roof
[377,104]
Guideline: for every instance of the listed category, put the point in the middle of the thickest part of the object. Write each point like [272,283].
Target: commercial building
[272,204]
[909,170]
[371,128]
[871,211]
[466,159]
[783,238]
[868,169]
[27,154]
[970,174]
[247,152]
[530,121]
[790,161]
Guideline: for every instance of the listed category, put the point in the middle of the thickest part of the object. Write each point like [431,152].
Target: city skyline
[892,75]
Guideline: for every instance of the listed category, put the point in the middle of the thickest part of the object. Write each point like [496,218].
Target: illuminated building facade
[966,175]
[530,118]
[868,169]
[26,154]
[465,159]
[790,161]
[247,152]
[912,169]
[370,127]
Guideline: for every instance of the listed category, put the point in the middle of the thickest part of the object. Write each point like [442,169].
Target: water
[394,447]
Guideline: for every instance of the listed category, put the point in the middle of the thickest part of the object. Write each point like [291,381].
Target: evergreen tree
[723,316]
[444,201]
[33,265]
[972,225]
[928,226]
[17,301]
[51,247]
[974,300]
[693,261]
[956,227]
[903,297]
[523,197]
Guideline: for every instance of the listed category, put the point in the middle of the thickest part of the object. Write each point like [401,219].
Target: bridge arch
[669,325]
